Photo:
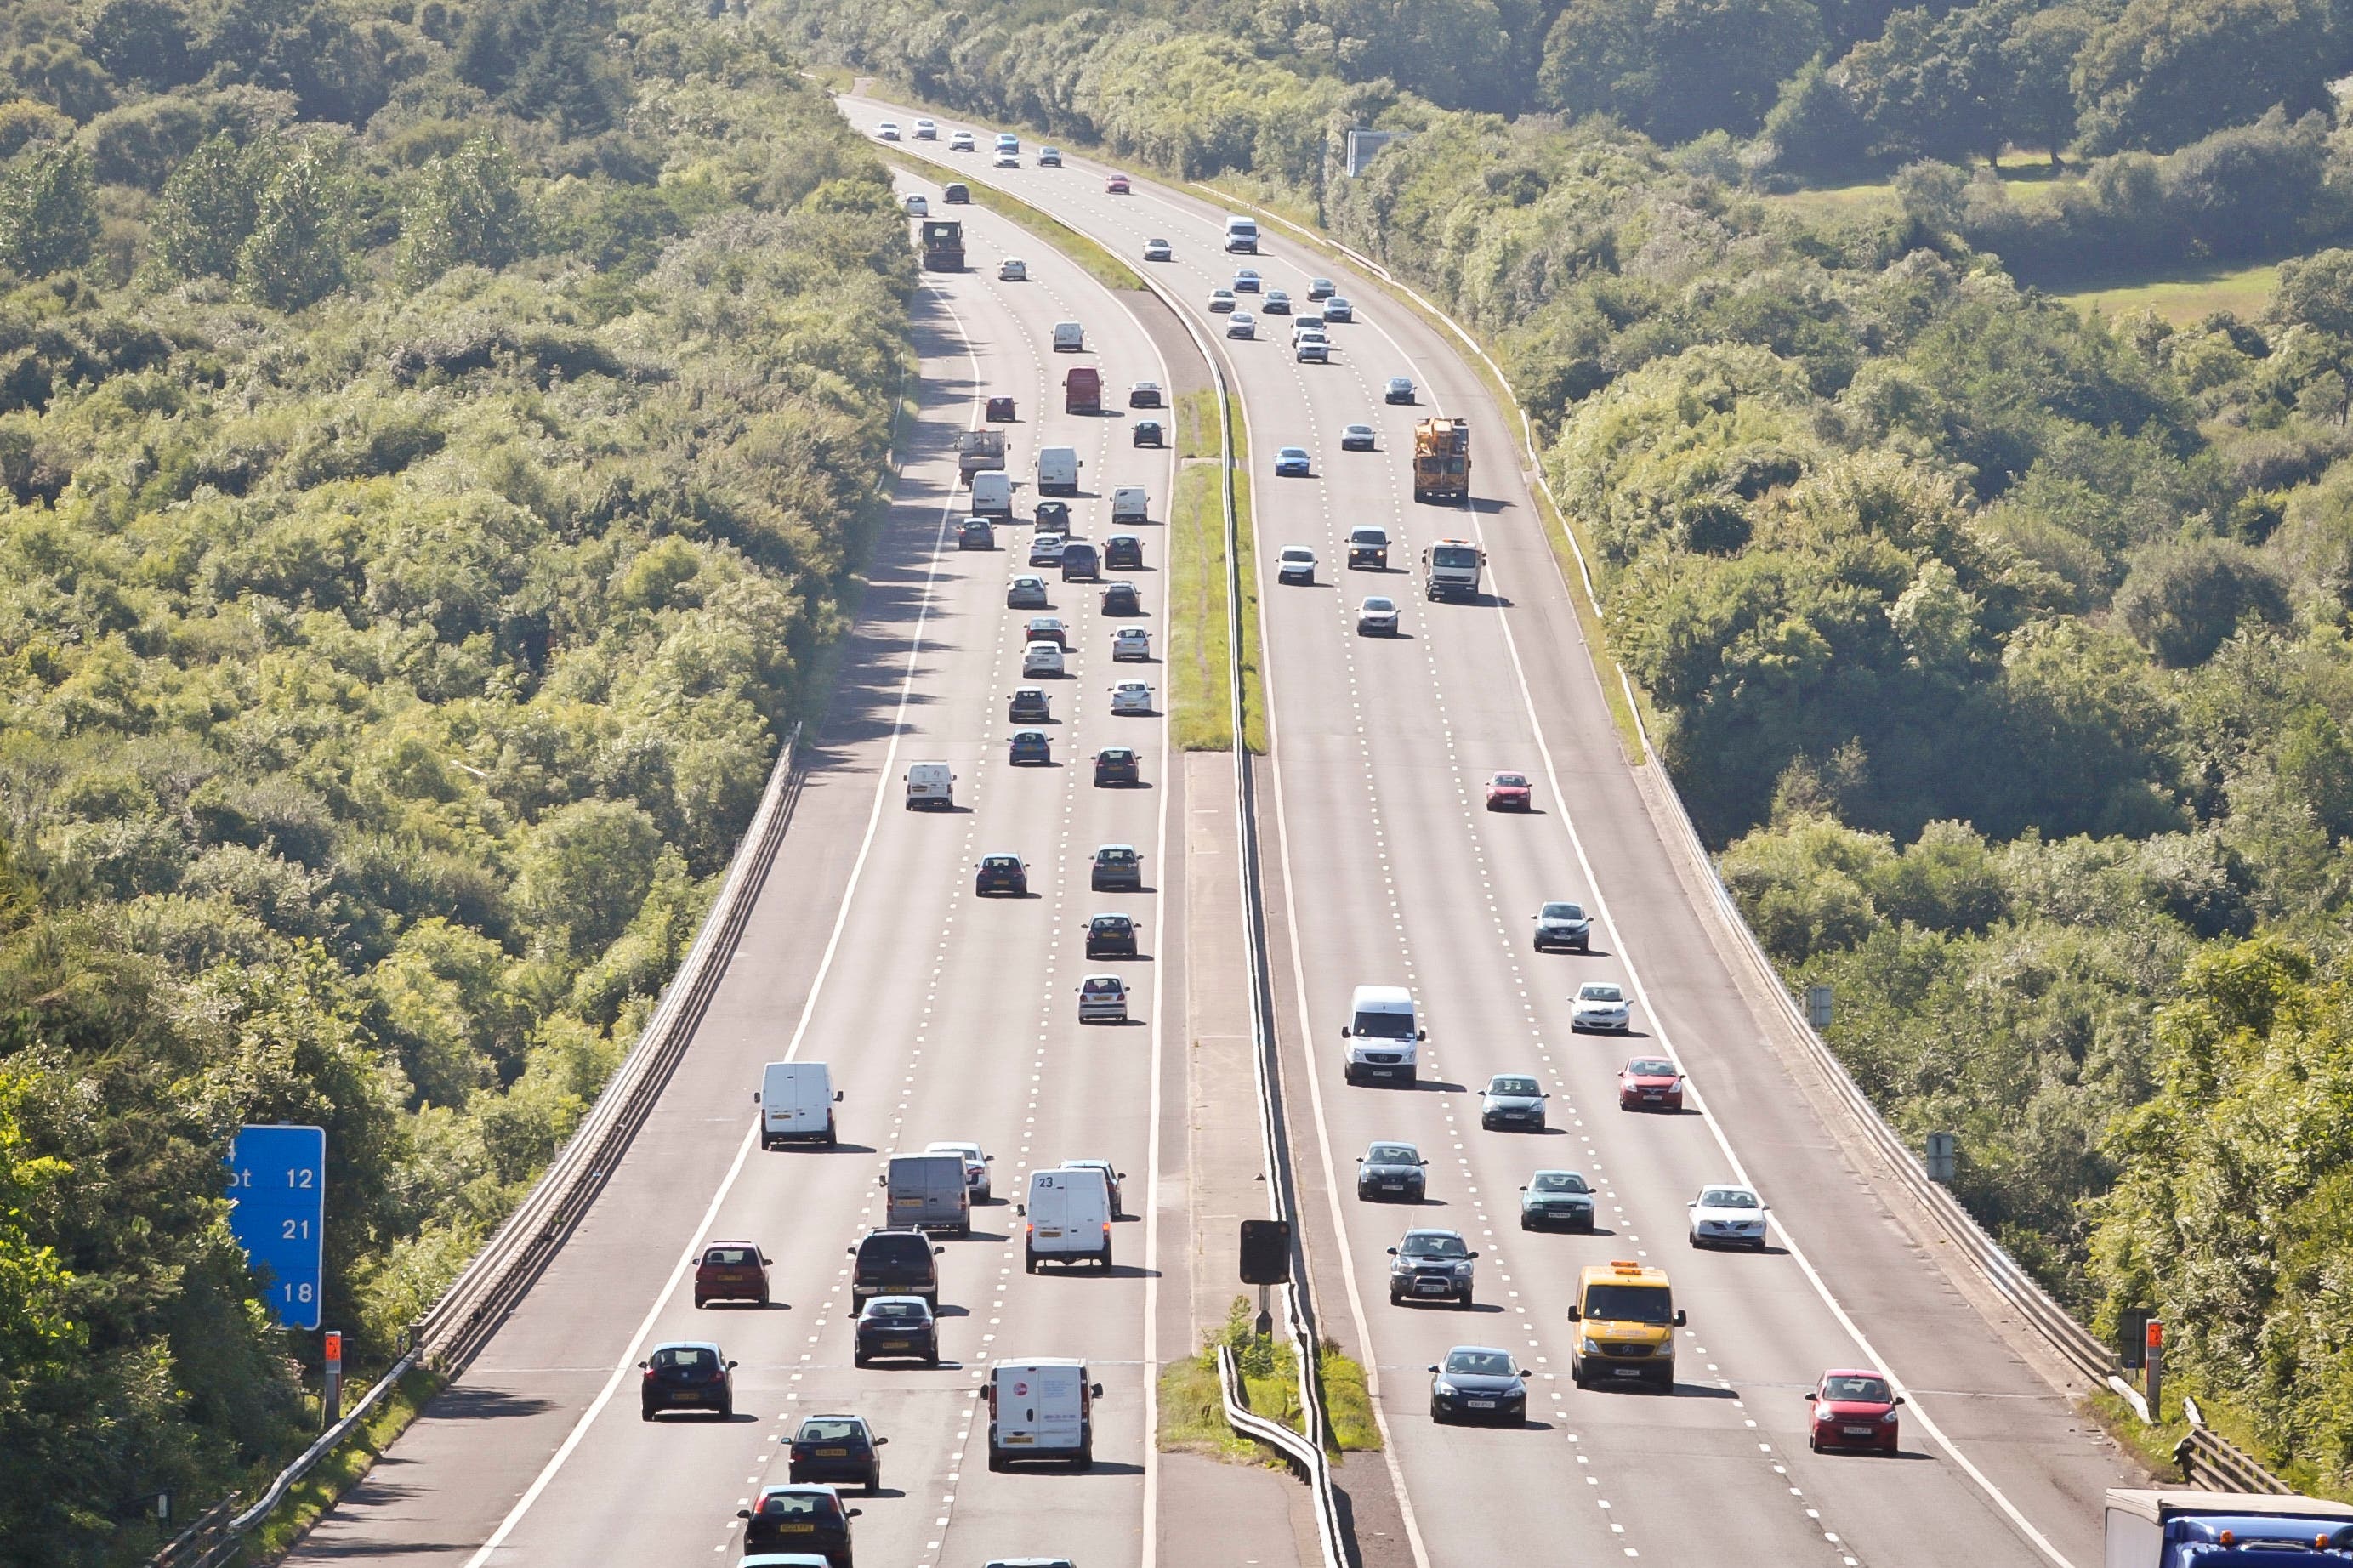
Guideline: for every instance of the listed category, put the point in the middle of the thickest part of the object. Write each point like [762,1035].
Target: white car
[1159,250]
[1242,324]
[961,142]
[1376,616]
[1103,999]
[1026,593]
[1600,1005]
[1041,658]
[1013,270]
[1295,564]
[1046,549]
[888,131]
[1131,645]
[976,1166]
[1311,350]
[1727,1215]
[919,205]
[1131,697]
[1220,301]
[1007,160]
[926,131]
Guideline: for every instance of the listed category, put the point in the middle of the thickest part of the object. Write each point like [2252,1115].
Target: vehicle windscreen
[730,1255]
[827,1429]
[1453,555]
[1102,988]
[1513,781]
[1563,912]
[1385,1025]
[1368,536]
[1392,1154]
[1652,1068]
[1381,606]
[1859,1390]
[1435,1246]
[1629,1304]
[1727,1198]
[1558,1182]
[1479,1363]
[1113,924]
[1599,994]
[1520,1086]
[1116,857]
[1000,863]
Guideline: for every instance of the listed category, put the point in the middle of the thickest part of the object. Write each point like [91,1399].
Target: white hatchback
[1295,564]
[1376,616]
[1727,1215]
[960,142]
[1131,645]
[926,131]
[1013,270]
[1131,697]
[1600,1004]
[888,131]
[1242,324]
[1103,999]
[1041,658]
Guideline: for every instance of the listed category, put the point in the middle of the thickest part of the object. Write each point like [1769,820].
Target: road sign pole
[333,1405]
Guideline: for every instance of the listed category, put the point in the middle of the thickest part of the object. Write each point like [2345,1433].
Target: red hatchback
[1509,791]
[1853,1409]
[732,1271]
[1116,185]
[1650,1083]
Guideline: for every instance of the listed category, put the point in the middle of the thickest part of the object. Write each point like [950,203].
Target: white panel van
[930,788]
[1241,236]
[1041,1409]
[1129,503]
[1069,1216]
[1070,337]
[796,1101]
[1057,471]
[992,494]
[1381,1032]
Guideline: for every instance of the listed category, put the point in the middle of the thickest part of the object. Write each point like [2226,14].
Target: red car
[1650,1083]
[1116,185]
[1509,791]
[1853,1409]
[732,1271]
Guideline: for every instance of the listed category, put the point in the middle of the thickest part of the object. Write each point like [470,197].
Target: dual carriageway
[943,1017]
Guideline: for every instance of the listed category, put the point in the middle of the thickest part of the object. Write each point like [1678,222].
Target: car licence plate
[894,1344]
[1857,1431]
[1649,1096]
[1627,1370]
[1046,1231]
[1392,1186]
[833,1453]
[1481,1404]
[1016,1439]
[1433,1287]
[796,1529]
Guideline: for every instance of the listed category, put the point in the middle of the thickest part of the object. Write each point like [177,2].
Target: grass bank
[1101,264]
[1193,1409]
[1200,643]
[2183,299]
[332,1475]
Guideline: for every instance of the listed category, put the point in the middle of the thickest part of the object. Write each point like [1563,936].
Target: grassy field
[2183,297]
[1193,1410]
[1106,268]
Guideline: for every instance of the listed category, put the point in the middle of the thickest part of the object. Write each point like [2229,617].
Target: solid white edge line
[572,1440]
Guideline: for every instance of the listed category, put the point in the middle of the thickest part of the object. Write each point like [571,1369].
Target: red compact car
[1509,791]
[1853,1409]
[1650,1083]
[730,1271]
[1116,185]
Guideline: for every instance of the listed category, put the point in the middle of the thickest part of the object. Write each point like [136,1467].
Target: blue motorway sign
[278,1212]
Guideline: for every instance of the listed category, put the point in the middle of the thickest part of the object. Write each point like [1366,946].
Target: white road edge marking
[808,1008]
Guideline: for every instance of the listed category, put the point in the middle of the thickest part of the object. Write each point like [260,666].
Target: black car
[1149,433]
[803,1519]
[687,1375]
[975,533]
[1029,746]
[1001,874]
[1392,1171]
[1111,936]
[1029,705]
[1116,766]
[1557,1197]
[1053,517]
[1430,1265]
[1513,1100]
[1117,868]
[897,1328]
[836,1448]
[1475,1383]
[895,1263]
[1319,289]
[955,194]
[1123,552]
[1122,599]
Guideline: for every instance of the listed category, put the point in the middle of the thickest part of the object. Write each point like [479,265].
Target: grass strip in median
[1105,268]
[1201,705]
[1193,1408]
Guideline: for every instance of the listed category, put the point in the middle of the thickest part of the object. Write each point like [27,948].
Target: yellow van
[1626,1318]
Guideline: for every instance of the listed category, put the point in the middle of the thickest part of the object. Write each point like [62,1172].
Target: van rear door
[1038,1407]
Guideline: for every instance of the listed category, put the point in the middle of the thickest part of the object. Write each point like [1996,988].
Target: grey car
[1430,1266]
[1477,1383]
[1557,1197]
[1564,925]
[1513,1100]
[1392,1171]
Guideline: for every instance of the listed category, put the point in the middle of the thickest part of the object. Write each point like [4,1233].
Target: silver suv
[1430,1266]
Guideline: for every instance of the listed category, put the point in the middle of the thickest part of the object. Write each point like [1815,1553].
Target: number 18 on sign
[278,1196]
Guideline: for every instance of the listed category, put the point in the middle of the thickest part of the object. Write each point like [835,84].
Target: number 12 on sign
[277,1197]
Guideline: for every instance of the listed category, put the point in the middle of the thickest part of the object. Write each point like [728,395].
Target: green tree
[2317,291]
[2041,54]
[1933,86]
[465,209]
[2166,72]
[586,868]
[208,207]
[48,209]
[295,254]
[2184,598]
[545,59]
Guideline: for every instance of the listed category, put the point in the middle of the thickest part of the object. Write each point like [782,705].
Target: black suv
[1121,599]
[1117,868]
[808,1519]
[895,1263]
[1123,552]
[688,1375]
[1001,874]
[1116,766]
[836,1448]
[1111,936]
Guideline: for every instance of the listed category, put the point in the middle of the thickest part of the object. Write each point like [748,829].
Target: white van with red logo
[1041,1409]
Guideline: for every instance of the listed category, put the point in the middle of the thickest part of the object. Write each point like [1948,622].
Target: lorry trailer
[942,245]
[2225,1530]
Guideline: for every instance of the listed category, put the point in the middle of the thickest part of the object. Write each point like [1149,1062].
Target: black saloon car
[1111,936]
[1123,552]
[1475,1383]
[1392,1171]
[836,1448]
[687,1375]
[799,1518]
[1116,766]
[1121,599]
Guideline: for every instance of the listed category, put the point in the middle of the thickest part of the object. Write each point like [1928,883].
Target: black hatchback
[687,1375]
[1150,433]
[1123,552]
[801,1519]
[1121,599]
[836,1448]
[1001,874]
[1116,766]
[893,1327]
[895,1263]
[1111,936]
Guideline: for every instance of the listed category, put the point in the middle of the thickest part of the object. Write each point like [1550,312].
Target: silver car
[1727,1215]
[1601,1006]
[1377,618]
[976,1166]
[1430,1266]
[1513,1100]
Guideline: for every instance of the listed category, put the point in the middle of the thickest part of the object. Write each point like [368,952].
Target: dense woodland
[2002,650]
[434,442]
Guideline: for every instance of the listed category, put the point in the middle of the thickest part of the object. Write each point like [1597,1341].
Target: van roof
[1036,1363]
[1379,996]
[1617,1271]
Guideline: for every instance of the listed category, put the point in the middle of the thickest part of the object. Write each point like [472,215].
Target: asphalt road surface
[1392,872]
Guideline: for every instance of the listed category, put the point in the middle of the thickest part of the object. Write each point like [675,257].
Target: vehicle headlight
[1889,1417]
[1463,1268]
[1587,1347]
[1443,1387]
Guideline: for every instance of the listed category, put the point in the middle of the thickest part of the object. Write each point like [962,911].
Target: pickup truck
[2225,1530]
[978,451]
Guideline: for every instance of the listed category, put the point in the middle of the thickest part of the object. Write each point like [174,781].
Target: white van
[1041,1409]
[1129,503]
[930,786]
[796,1100]
[1381,1031]
[992,495]
[1057,471]
[1241,236]
[1069,1216]
[1070,337]
[926,1192]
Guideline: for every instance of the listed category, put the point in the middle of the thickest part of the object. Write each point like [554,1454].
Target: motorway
[1390,871]
[940,1017]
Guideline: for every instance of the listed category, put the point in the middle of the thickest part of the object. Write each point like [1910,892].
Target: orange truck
[1442,461]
